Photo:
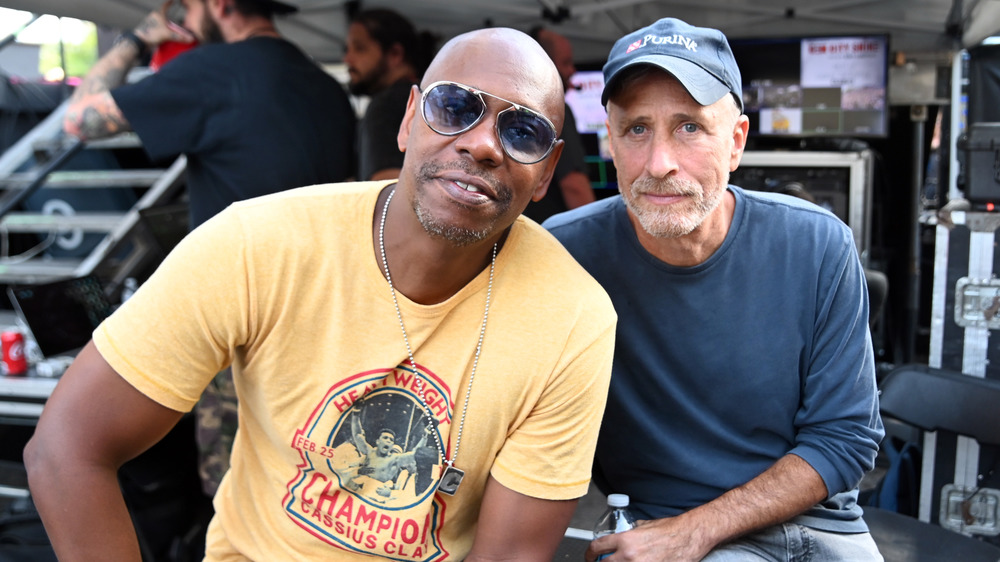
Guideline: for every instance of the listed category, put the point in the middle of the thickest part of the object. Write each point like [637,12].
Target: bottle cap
[618,500]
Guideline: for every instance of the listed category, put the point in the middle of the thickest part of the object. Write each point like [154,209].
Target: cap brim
[705,88]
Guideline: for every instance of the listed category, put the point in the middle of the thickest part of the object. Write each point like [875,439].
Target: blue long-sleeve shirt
[722,368]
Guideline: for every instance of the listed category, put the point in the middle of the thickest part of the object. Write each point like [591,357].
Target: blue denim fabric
[795,543]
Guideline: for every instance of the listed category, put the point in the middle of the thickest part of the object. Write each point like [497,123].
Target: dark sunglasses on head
[450,108]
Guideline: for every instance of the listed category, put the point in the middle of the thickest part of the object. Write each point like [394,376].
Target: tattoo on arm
[92,112]
[145,25]
[109,72]
[95,124]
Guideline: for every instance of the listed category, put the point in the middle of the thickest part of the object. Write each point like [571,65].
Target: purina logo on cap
[699,57]
[687,42]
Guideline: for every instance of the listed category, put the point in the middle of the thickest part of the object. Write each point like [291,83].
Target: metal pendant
[450,480]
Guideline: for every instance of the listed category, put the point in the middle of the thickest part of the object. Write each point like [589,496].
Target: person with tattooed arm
[250,111]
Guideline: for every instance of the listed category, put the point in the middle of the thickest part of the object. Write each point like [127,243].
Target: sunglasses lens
[449,109]
[526,137]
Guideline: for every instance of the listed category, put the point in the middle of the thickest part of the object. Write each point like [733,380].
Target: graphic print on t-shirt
[371,464]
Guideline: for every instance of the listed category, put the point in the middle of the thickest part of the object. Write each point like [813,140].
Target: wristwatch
[131,37]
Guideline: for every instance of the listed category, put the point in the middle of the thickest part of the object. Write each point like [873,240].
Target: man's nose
[481,141]
[662,159]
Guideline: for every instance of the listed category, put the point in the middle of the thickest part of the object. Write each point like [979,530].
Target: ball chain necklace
[452,476]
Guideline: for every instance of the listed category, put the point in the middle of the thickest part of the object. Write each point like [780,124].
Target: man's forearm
[110,71]
[92,112]
[92,424]
[785,490]
[84,513]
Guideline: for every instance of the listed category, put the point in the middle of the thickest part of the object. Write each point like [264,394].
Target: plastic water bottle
[616,519]
[130,287]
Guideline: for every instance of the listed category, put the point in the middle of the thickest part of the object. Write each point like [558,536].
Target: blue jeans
[789,542]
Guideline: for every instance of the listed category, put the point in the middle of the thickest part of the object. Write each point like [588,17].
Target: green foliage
[80,54]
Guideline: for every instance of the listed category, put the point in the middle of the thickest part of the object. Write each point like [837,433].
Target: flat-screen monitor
[815,86]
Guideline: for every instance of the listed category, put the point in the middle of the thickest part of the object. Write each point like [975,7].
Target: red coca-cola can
[12,343]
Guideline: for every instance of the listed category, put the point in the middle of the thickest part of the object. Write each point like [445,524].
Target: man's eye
[689,128]
[637,129]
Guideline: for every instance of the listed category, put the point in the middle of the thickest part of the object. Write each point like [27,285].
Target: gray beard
[665,224]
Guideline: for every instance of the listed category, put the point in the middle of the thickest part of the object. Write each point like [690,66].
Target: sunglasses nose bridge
[491,147]
[501,106]
[484,110]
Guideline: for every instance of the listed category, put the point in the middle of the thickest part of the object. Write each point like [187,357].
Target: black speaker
[982,163]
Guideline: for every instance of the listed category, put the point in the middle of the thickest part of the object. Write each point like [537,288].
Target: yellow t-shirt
[335,453]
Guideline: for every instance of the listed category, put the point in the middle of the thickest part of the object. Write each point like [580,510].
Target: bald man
[422,306]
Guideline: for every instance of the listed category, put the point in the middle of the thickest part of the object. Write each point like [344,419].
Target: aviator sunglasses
[450,108]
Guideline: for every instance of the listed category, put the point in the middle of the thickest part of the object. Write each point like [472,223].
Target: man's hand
[781,492]
[157,28]
[662,539]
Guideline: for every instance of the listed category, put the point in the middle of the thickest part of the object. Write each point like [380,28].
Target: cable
[49,240]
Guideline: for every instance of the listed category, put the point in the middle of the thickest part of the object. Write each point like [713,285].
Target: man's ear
[740,132]
[411,111]
[550,169]
[395,55]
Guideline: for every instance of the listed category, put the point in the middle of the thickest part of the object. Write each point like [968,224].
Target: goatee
[456,234]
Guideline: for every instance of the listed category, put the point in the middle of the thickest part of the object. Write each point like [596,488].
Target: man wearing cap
[743,358]
[251,111]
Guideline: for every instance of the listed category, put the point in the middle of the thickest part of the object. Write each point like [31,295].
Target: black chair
[878,292]
[948,402]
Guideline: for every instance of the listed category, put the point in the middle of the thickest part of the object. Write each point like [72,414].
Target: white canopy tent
[320,25]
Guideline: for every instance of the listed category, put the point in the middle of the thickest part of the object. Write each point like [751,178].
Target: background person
[250,111]
[430,297]
[385,57]
[571,185]
[743,410]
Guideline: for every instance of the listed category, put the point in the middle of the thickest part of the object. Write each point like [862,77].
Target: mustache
[664,186]
[501,191]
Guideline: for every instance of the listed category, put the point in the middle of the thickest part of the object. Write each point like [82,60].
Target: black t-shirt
[378,148]
[253,117]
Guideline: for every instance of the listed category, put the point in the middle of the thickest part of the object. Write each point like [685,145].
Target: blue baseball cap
[699,57]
